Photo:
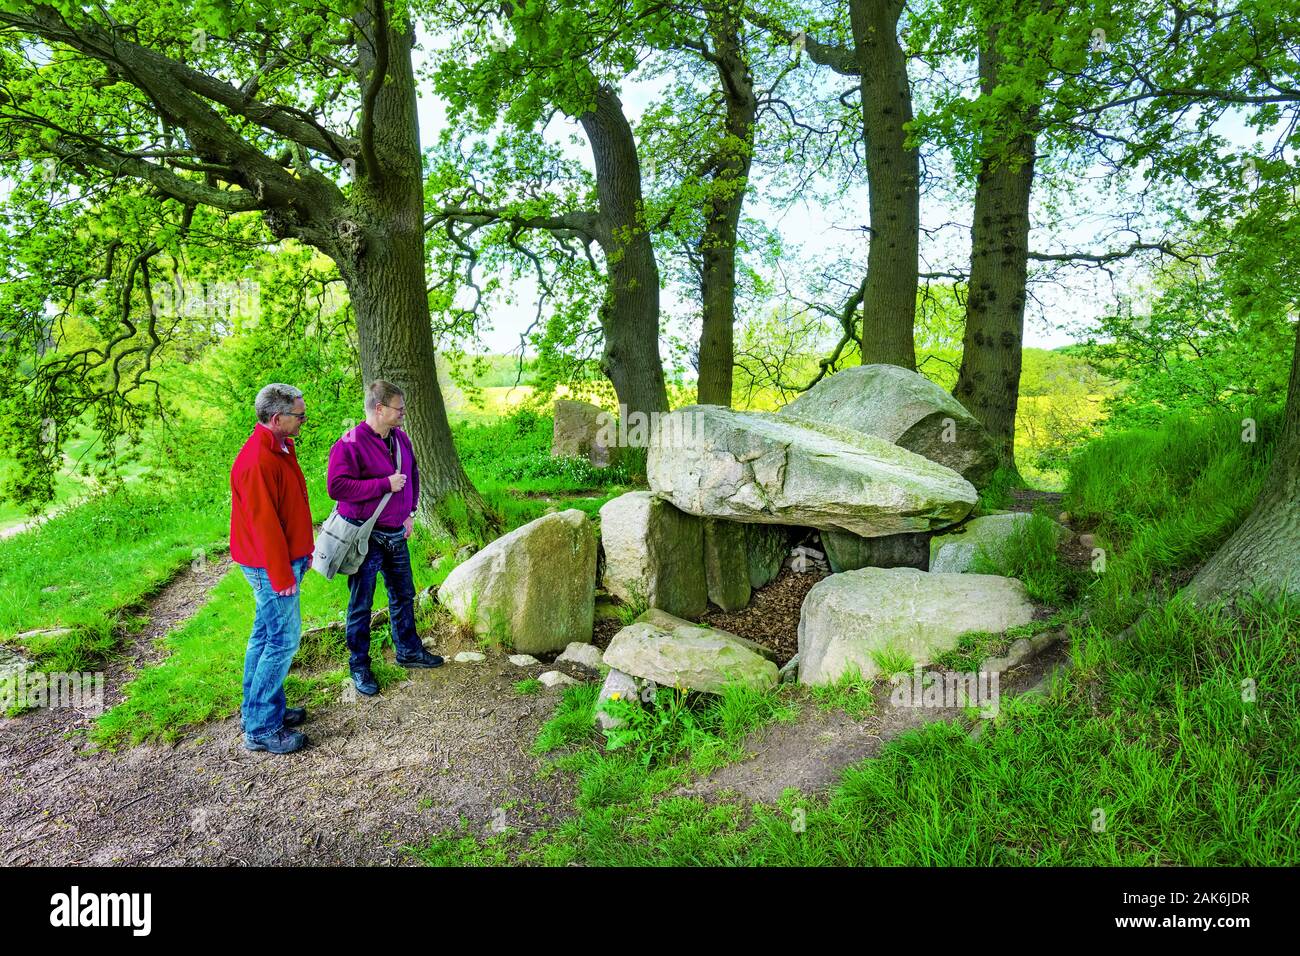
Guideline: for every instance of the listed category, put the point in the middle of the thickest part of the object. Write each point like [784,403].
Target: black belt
[387,529]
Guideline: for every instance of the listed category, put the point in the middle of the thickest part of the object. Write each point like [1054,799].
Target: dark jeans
[388,553]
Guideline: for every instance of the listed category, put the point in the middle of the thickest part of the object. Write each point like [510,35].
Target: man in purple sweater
[362,469]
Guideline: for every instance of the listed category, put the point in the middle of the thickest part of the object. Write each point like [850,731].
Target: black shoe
[293,716]
[425,659]
[281,742]
[365,681]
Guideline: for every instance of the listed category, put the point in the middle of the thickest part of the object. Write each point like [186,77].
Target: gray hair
[275,399]
[380,392]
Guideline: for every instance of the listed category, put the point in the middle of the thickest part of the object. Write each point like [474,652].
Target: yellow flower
[616,696]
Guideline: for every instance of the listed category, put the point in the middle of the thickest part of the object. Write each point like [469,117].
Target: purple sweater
[358,476]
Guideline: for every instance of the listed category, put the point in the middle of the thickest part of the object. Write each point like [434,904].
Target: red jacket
[270,519]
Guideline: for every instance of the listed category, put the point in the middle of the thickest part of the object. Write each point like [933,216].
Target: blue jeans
[277,629]
[388,553]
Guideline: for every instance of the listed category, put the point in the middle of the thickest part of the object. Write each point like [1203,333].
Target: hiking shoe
[365,681]
[281,742]
[293,716]
[425,659]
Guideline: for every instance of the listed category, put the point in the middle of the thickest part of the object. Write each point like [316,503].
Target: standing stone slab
[955,552]
[749,466]
[536,584]
[582,430]
[847,616]
[654,553]
[848,552]
[905,408]
[696,658]
[767,546]
[726,564]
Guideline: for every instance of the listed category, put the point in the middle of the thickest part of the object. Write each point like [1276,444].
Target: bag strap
[370,522]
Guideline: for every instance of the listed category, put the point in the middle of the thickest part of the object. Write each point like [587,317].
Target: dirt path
[446,745]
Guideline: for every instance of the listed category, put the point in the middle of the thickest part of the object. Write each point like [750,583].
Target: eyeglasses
[301,416]
[400,409]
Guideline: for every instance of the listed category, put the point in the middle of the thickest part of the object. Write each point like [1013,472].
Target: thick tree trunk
[893,182]
[629,315]
[722,212]
[379,249]
[1264,552]
[718,292]
[989,381]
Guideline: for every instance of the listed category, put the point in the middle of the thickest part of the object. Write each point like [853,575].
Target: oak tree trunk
[893,182]
[379,249]
[1264,552]
[629,315]
[722,213]
[989,381]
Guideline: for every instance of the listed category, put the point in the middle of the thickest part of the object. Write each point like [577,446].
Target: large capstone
[755,467]
[687,656]
[991,535]
[905,408]
[654,554]
[897,617]
[534,588]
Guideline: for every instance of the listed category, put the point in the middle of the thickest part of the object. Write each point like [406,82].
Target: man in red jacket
[271,539]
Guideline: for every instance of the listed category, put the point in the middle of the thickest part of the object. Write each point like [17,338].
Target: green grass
[996,495]
[1161,502]
[1150,733]
[852,693]
[628,611]
[529,685]
[516,451]
[86,566]
[1030,555]
[892,660]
